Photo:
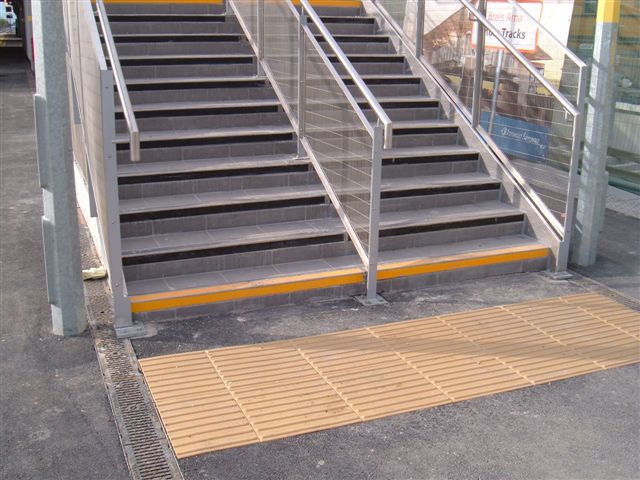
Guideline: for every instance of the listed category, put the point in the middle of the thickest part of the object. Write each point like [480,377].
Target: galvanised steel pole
[593,177]
[55,162]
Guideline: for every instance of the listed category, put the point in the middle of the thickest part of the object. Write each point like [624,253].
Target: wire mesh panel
[248,14]
[281,48]
[339,140]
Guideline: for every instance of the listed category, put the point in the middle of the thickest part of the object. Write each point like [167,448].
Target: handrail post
[374,214]
[562,258]
[419,28]
[260,39]
[121,84]
[479,67]
[301,79]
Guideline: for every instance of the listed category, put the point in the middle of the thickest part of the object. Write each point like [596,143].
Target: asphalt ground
[55,420]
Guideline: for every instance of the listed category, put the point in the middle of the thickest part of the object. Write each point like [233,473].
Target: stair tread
[200,105]
[206,239]
[431,123]
[207,164]
[195,200]
[187,80]
[114,16]
[173,35]
[399,99]
[202,56]
[168,135]
[339,36]
[431,252]
[405,152]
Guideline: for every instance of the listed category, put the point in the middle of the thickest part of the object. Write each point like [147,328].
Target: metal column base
[370,302]
[563,275]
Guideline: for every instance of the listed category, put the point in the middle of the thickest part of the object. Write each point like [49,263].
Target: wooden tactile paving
[215,399]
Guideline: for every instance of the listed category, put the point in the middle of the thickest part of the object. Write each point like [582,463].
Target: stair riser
[221,263]
[228,220]
[323,11]
[184,48]
[200,70]
[427,140]
[401,284]
[323,209]
[206,121]
[369,68]
[347,28]
[232,149]
[389,90]
[412,113]
[428,168]
[328,250]
[223,184]
[243,91]
[174,28]
[362,47]
[437,200]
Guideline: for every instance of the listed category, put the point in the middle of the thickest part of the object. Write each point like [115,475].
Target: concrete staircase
[221,213]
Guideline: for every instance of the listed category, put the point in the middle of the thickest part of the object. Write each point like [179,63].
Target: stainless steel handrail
[383,118]
[121,85]
[522,59]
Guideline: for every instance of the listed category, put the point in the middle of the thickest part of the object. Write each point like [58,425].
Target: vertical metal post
[302,80]
[260,39]
[419,28]
[55,162]
[574,180]
[479,67]
[374,214]
[593,177]
[496,91]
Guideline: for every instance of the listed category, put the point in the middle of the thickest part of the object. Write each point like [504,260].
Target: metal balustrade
[93,90]
[530,120]
[343,145]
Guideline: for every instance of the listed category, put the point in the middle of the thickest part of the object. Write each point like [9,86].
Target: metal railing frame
[121,84]
[103,165]
[562,232]
[381,133]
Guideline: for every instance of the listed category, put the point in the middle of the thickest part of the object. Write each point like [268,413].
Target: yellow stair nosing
[328,279]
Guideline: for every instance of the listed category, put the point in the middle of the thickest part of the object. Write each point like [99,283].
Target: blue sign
[518,138]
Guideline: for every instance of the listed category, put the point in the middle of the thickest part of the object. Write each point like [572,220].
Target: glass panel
[529,125]
[340,142]
[448,46]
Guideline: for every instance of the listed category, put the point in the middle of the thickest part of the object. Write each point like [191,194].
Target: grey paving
[55,419]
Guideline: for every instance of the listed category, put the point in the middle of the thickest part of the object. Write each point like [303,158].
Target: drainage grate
[146,449]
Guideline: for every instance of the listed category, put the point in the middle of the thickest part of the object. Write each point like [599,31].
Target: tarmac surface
[55,419]
[56,423]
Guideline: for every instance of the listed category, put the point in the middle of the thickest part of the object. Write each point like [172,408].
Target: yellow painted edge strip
[608,11]
[222,293]
[277,286]
[468,260]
